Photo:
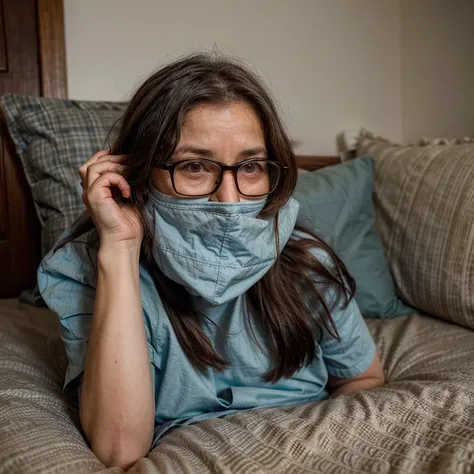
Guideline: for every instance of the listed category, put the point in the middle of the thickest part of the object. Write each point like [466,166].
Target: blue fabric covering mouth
[216,250]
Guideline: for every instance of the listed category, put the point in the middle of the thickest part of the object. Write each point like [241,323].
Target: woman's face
[226,133]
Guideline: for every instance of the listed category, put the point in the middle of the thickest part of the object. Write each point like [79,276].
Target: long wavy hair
[289,304]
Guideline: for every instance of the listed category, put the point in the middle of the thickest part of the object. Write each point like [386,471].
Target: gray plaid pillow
[53,139]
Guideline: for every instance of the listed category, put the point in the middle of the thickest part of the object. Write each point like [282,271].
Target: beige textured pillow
[424,202]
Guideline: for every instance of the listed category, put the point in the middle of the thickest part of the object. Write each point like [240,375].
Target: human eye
[253,167]
[194,167]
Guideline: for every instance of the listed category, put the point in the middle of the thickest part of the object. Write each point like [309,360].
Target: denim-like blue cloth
[184,395]
[216,250]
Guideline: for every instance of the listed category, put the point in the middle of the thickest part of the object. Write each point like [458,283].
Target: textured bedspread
[422,421]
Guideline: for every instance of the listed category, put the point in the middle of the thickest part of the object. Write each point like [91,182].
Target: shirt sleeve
[66,280]
[354,351]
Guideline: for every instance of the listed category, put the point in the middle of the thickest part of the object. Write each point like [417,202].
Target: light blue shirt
[183,394]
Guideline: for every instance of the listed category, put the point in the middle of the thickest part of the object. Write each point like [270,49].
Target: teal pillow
[336,204]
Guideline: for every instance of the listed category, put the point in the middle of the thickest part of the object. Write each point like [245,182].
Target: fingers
[97,156]
[100,189]
[103,155]
[95,170]
[93,159]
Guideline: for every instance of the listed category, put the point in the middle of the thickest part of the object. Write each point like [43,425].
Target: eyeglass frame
[170,167]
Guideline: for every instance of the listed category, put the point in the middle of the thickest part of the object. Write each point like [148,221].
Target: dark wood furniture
[315,162]
[32,62]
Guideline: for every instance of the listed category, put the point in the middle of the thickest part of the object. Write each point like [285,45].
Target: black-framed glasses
[200,177]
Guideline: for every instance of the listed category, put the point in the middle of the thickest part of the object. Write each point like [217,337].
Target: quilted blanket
[421,421]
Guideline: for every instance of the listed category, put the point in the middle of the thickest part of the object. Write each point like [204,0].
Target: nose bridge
[227,191]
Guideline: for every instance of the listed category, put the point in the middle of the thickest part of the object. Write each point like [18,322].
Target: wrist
[115,256]
[122,247]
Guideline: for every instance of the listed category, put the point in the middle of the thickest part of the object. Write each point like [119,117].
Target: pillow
[336,204]
[424,206]
[53,138]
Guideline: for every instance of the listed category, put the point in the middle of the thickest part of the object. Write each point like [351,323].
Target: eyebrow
[253,151]
[206,153]
[194,150]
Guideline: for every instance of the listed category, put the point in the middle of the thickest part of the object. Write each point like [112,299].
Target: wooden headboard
[33,62]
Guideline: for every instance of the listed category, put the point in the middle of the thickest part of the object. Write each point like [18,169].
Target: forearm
[357,385]
[117,406]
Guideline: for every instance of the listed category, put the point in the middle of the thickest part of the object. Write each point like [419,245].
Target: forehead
[231,121]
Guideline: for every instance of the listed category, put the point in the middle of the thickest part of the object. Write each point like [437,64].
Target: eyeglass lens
[200,177]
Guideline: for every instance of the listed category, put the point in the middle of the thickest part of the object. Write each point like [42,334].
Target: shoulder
[326,273]
[75,263]
[75,260]
[320,250]
[67,278]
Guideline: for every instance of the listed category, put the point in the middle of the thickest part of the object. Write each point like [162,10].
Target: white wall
[335,64]
[437,52]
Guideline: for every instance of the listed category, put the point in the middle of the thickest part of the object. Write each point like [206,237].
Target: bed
[421,422]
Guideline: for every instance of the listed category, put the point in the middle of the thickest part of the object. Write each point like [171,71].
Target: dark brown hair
[288,303]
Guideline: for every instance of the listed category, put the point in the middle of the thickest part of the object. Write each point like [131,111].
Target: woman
[189,294]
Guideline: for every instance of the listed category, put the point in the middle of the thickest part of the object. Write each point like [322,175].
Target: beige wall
[335,64]
[437,38]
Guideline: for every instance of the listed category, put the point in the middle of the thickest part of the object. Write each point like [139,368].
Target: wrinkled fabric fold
[216,250]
